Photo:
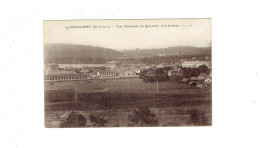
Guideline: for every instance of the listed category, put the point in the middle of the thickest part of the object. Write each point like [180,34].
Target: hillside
[178,50]
[84,54]
[76,54]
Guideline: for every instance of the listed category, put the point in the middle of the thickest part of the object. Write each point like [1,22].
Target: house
[85,68]
[201,85]
[182,60]
[208,80]
[175,71]
[160,66]
[193,83]
[171,73]
[180,72]
[202,76]
[136,70]
[194,79]
[185,80]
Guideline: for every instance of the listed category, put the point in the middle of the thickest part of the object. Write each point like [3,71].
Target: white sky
[199,34]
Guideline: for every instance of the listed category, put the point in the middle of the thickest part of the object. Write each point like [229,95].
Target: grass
[117,97]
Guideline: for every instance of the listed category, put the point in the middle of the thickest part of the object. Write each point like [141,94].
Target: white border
[235,74]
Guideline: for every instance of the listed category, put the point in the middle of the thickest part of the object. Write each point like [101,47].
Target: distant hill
[178,50]
[76,54]
[84,54]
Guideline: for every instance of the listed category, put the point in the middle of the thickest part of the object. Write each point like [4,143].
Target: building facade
[50,67]
[66,77]
[128,73]
[106,74]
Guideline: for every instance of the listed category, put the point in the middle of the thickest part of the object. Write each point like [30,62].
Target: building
[106,74]
[85,68]
[185,80]
[182,60]
[174,71]
[180,72]
[150,73]
[113,64]
[50,67]
[208,81]
[202,76]
[128,73]
[195,64]
[66,77]
[136,70]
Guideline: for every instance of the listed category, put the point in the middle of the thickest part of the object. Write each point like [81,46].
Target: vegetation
[159,74]
[142,116]
[98,121]
[74,119]
[194,72]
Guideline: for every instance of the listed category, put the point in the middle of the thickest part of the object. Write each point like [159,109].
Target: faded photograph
[127,73]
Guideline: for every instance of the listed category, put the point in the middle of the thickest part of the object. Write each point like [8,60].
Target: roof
[194,78]
[72,75]
[122,70]
[57,72]
[208,79]
[185,79]
[203,74]
[105,71]
[191,82]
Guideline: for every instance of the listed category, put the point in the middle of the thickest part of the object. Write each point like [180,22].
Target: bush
[74,119]
[142,116]
[98,121]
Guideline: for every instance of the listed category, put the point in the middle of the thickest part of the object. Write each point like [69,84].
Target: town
[192,72]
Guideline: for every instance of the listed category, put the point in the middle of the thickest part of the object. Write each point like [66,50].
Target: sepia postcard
[127,73]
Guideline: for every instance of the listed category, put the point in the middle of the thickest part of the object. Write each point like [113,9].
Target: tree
[74,119]
[142,116]
[142,74]
[203,68]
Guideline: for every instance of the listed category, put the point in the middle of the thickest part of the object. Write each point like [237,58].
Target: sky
[130,34]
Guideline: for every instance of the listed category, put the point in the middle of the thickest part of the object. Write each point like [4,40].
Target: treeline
[101,60]
[77,60]
[161,74]
[194,72]
[153,75]
[170,59]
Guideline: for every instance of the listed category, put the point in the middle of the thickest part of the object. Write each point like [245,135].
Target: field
[116,98]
